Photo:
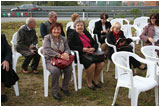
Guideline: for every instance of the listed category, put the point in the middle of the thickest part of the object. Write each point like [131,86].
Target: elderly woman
[52,43]
[113,37]
[102,27]
[82,41]
[74,17]
[150,33]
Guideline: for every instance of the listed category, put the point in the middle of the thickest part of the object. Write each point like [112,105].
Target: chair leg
[115,95]
[129,93]
[74,78]
[134,97]
[46,77]
[116,73]
[102,81]
[16,89]
[108,64]
[156,96]
[80,70]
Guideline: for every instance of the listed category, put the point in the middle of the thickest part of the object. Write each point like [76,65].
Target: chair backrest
[141,22]
[68,24]
[127,30]
[121,60]
[91,25]
[150,52]
[120,20]
[40,52]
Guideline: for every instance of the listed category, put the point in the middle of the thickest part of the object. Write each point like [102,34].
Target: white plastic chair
[80,70]
[91,25]
[120,20]
[127,29]
[115,50]
[15,53]
[68,24]
[141,22]
[46,73]
[150,54]
[136,84]
[95,37]
[16,89]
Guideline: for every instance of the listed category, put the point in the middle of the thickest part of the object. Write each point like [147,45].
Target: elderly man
[45,27]
[26,45]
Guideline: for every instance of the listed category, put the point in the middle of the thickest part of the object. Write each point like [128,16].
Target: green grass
[32,90]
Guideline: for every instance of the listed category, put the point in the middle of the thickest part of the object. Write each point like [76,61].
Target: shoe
[57,96]
[143,68]
[92,87]
[4,98]
[66,92]
[35,71]
[24,71]
[96,85]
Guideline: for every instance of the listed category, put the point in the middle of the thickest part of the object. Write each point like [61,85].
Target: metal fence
[67,11]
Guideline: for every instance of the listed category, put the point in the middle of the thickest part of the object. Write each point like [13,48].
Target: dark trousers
[35,61]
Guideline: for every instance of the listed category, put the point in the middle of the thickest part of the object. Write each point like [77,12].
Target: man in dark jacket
[26,45]
[45,27]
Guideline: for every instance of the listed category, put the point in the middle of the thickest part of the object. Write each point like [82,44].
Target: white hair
[29,20]
[51,13]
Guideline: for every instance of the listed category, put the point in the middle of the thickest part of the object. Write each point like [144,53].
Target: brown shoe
[35,71]
[26,72]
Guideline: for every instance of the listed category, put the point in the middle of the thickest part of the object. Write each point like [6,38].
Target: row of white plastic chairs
[138,24]
[145,50]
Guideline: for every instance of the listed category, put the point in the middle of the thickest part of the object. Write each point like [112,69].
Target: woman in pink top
[82,41]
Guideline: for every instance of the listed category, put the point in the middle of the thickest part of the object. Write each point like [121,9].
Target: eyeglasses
[153,18]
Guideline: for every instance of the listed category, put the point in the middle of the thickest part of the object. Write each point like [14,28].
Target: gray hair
[51,13]
[29,20]
[79,21]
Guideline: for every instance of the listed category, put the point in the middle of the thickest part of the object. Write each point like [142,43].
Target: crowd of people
[79,39]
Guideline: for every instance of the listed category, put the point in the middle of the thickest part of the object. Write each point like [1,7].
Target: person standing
[26,45]
[45,27]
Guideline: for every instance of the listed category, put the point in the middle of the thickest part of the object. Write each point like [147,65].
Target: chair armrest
[110,45]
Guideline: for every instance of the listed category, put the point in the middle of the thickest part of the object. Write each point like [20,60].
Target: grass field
[32,90]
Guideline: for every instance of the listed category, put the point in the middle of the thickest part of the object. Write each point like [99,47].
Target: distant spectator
[74,17]
[45,27]
[7,80]
[150,33]
[52,43]
[102,27]
[26,45]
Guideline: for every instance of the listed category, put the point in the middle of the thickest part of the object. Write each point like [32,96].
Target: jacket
[50,47]
[148,31]
[25,38]
[76,44]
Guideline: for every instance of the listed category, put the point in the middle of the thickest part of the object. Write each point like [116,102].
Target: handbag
[62,63]
[94,57]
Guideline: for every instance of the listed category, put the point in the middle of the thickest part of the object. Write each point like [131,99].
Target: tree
[136,12]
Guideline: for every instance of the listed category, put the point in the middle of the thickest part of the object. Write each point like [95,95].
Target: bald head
[31,22]
[52,17]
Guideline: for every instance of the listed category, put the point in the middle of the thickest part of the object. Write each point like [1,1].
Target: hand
[65,56]
[5,65]
[91,50]
[31,46]
[105,31]
[85,49]
[151,40]
[32,51]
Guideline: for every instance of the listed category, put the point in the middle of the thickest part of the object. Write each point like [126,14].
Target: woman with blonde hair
[114,37]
